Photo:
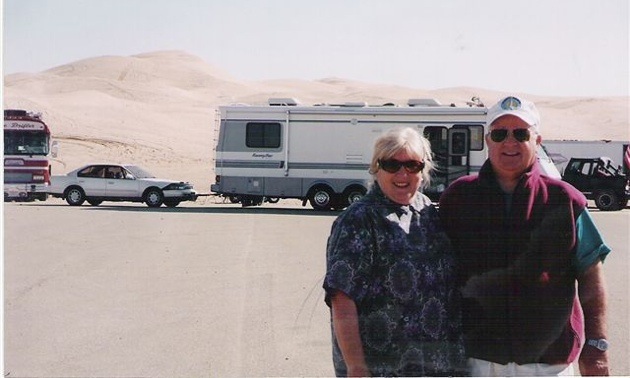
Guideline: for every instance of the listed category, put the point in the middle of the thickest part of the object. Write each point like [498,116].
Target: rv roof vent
[423,102]
[283,101]
[358,104]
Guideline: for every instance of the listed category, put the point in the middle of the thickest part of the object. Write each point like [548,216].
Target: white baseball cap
[516,106]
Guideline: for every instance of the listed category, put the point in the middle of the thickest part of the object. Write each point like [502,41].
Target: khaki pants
[482,368]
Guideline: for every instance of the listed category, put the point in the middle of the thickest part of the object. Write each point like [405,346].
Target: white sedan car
[96,183]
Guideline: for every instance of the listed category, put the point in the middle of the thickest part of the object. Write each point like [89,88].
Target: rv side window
[476,137]
[262,135]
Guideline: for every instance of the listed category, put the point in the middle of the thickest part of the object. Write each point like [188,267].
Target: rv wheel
[171,203]
[321,198]
[353,194]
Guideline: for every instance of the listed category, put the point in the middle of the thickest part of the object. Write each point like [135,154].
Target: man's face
[510,157]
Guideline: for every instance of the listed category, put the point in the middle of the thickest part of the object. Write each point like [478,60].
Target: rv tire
[171,203]
[353,194]
[251,201]
[321,198]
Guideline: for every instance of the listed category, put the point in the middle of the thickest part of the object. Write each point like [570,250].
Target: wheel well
[319,187]
[148,189]
[353,187]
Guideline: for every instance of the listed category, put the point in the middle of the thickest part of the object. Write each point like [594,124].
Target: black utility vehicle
[600,181]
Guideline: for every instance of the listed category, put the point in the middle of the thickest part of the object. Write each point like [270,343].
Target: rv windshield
[26,142]
[138,172]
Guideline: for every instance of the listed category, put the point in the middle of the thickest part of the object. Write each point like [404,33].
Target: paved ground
[199,290]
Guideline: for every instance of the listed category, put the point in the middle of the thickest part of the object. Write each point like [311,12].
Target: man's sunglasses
[499,135]
[393,166]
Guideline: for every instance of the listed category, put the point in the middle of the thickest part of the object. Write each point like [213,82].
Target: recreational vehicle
[321,153]
[28,151]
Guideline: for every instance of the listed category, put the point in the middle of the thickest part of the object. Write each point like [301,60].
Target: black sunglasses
[499,135]
[393,166]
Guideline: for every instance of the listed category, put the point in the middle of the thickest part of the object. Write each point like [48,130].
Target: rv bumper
[25,192]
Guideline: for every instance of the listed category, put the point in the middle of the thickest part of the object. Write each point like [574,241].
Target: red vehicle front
[27,154]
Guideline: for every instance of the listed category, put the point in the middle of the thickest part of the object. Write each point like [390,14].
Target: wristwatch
[601,344]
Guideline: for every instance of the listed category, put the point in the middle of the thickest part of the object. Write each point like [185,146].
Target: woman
[390,273]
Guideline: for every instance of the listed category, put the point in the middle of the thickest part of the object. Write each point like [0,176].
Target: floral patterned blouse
[396,263]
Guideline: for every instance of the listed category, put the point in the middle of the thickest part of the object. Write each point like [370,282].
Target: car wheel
[321,198]
[94,202]
[75,196]
[606,200]
[154,197]
[171,203]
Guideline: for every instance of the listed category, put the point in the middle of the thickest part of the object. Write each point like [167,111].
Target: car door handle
[111,182]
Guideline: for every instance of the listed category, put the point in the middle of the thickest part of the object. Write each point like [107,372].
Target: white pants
[483,368]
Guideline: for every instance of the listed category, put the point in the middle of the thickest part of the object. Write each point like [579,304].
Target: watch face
[600,344]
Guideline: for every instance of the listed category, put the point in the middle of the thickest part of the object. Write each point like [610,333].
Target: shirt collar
[488,177]
[418,203]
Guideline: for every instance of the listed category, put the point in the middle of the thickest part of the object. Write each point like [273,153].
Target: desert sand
[204,289]
[158,109]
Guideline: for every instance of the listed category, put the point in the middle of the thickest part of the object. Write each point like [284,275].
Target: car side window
[91,171]
[114,172]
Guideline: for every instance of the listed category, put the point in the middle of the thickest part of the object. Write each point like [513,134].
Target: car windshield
[138,172]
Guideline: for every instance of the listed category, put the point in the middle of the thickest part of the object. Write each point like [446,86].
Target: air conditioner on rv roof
[423,102]
[280,101]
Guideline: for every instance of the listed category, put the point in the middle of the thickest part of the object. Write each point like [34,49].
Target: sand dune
[158,109]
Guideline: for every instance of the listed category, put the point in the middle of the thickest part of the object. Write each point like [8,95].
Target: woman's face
[401,186]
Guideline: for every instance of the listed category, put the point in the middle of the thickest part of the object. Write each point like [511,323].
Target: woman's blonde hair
[403,139]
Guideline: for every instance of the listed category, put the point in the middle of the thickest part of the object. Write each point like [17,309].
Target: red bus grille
[18,178]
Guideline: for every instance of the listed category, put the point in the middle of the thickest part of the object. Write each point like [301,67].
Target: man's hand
[593,362]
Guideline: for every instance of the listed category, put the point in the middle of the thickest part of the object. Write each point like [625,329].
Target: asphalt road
[198,290]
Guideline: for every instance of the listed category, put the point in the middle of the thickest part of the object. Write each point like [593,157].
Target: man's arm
[592,292]
[346,326]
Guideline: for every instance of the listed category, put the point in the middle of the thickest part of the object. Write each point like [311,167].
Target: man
[522,241]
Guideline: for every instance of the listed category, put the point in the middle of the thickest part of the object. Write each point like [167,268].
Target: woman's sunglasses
[393,166]
[499,135]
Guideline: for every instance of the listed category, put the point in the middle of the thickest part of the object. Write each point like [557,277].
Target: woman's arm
[346,325]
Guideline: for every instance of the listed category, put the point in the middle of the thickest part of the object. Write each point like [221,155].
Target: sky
[541,47]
